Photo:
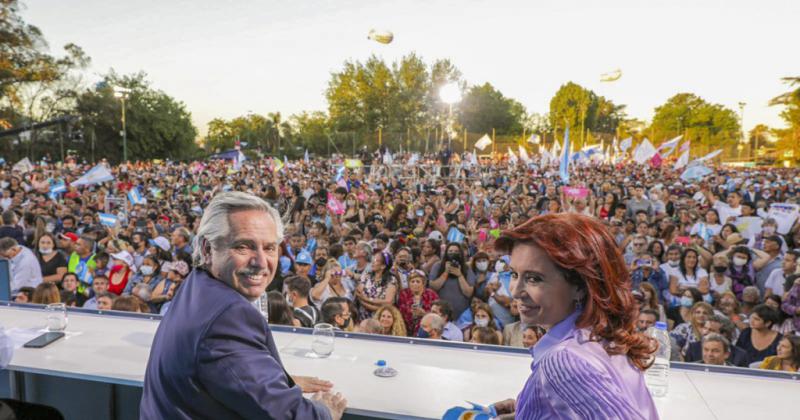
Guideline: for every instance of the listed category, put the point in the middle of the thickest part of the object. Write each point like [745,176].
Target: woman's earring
[578,305]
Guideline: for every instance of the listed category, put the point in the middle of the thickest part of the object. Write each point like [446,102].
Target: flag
[523,154]
[556,149]
[686,146]
[563,169]
[473,158]
[624,145]
[546,158]
[455,235]
[237,160]
[135,197]
[683,160]
[96,175]
[277,165]
[340,173]
[305,157]
[107,219]
[57,189]
[483,142]
[644,152]
[671,144]
[534,139]
[709,156]
[656,161]
[23,166]
[695,172]
[413,159]
[353,163]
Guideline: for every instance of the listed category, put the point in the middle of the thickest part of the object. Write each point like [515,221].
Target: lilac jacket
[572,377]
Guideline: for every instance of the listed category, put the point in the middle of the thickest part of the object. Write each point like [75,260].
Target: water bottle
[657,376]
[383,370]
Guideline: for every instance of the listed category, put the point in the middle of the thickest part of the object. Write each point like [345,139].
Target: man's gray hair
[7,243]
[719,338]
[215,224]
[435,321]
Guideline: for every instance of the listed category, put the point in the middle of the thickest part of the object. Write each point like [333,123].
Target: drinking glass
[56,317]
[322,340]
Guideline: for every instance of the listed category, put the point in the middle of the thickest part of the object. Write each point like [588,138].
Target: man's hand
[335,403]
[312,384]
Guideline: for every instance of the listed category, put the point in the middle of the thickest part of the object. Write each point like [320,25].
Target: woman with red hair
[569,277]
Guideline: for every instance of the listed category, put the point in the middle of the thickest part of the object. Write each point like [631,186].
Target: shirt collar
[555,335]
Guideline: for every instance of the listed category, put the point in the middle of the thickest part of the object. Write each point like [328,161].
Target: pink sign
[576,192]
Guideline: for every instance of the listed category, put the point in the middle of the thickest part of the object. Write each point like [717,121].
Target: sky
[226,58]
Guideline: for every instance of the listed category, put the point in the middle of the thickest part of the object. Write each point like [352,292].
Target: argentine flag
[563,169]
[107,219]
[455,235]
[96,175]
[135,197]
[57,189]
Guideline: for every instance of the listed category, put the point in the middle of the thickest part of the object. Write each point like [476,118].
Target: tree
[789,138]
[484,108]
[710,125]
[311,131]
[573,106]
[158,126]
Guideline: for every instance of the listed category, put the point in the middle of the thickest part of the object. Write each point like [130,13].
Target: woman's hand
[508,406]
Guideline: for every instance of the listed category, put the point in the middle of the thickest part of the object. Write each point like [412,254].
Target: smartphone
[43,340]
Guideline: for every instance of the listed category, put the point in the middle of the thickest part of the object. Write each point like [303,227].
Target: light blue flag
[96,175]
[340,173]
[57,189]
[135,197]
[107,219]
[305,157]
[455,235]
[695,172]
[563,169]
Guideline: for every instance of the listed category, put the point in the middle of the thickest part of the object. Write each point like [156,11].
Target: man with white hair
[205,352]
[25,268]
[431,326]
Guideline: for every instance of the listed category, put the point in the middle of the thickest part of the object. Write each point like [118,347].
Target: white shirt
[689,280]
[720,288]
[775,282]
[25,270]
[349,286]
[725,211]
[670,270]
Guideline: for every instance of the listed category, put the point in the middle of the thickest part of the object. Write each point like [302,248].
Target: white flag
[534,139]
[512,158]
[625,144]
[483,142]
[523,154]
[644,152]
[683,160]
[23,166]
[709,156]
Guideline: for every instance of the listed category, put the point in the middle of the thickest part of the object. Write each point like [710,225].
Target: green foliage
[710,125]
[583,110]
[265,134]
[484,108]
[158,126]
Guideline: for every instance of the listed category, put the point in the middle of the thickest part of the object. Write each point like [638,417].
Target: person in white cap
[122,269]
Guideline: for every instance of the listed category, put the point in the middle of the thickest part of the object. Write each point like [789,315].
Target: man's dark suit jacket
[213,357]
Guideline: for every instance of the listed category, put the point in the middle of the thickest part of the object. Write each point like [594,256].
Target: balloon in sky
[384,37]
[611,76]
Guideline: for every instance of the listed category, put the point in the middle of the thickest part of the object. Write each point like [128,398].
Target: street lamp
[123,93]
[450,94]
[741,122]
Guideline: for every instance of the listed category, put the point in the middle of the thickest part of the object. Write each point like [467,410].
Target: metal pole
[124,132]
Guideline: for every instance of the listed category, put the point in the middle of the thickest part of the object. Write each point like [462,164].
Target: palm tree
[788,97]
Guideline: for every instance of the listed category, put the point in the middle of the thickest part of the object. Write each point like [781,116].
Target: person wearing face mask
[719,283]
[52,262]
[482,317]
[673,262]
[336,311]
[121,270]
[431,327]
[453,280]
[741,269]
[480,266]
[149,273]
[498,292]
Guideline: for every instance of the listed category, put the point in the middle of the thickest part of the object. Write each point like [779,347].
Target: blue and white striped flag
[135,197]
[57,189]
[340,173]
[455,235]
[107,219]
[96,175]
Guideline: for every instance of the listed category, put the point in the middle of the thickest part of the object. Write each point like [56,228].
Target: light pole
[741,121]
[123,93]
[450,94]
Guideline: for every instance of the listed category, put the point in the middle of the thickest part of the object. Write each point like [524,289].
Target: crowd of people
[405,248]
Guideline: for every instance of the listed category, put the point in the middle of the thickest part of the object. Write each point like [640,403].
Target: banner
[23,166]
[107,219]
[353,163]
[785,214]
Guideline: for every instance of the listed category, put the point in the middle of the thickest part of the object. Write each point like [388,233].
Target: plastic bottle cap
[381,363]
[661,325]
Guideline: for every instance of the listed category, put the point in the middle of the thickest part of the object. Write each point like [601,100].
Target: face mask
[482,266]
[482,322]
[420,213]
[320,262]
[146,270]
[720,268]
[674,263]
[739,261]
[50,227]
[46,251]
[452,256]
[686,302]
[499,266]
[422,333]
